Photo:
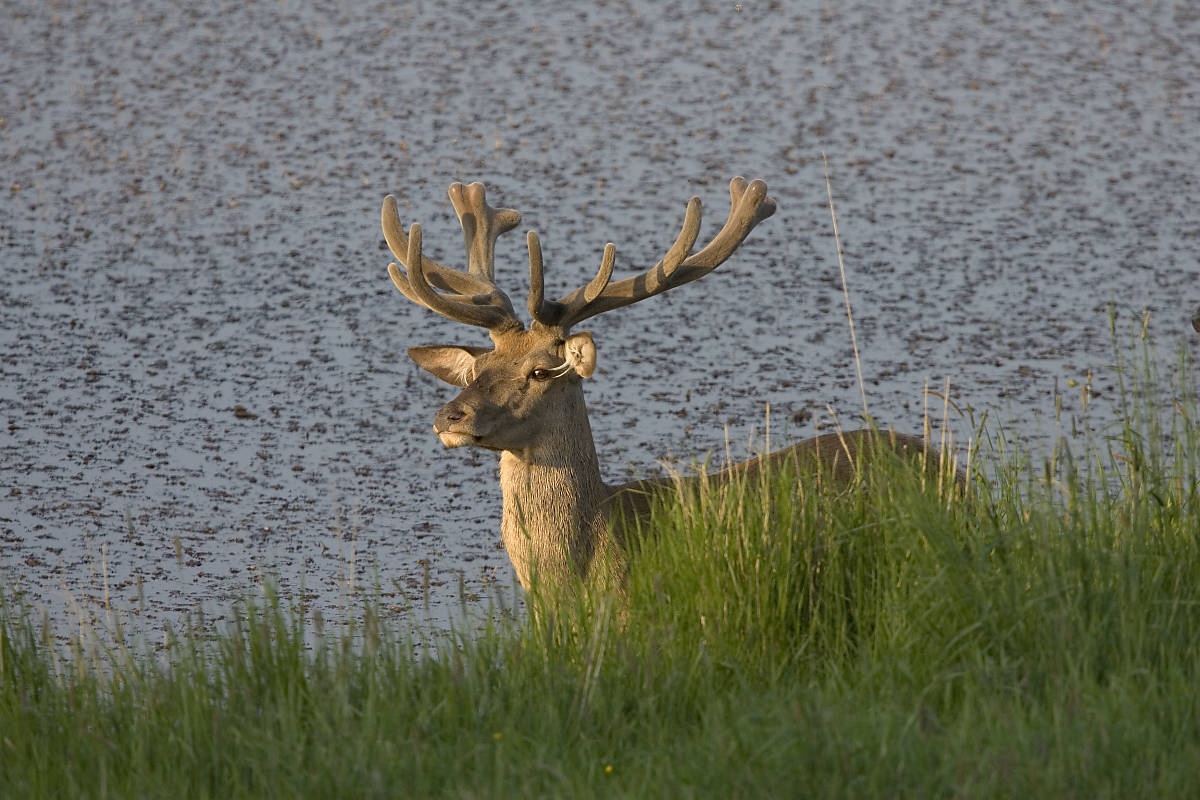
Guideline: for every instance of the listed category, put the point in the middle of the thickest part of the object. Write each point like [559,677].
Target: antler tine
[685,240]
[470,203]
[472,297]
[600,282]
[543,310]
[749,205]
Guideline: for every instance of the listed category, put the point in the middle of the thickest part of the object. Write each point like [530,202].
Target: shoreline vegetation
[1037,633]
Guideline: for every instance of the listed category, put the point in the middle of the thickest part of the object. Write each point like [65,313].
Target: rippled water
[204,377]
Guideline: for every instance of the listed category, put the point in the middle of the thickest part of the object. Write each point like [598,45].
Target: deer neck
[555,525]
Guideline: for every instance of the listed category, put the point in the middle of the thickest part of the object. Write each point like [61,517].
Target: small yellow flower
[497,736]
[608,769]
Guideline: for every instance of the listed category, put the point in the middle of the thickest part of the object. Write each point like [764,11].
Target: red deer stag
[523,396]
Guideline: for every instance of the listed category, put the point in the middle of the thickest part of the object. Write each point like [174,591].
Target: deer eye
[540,374]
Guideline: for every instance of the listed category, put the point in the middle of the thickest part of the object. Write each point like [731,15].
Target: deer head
[529,380]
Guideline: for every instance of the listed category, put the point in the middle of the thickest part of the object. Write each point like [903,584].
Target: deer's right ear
[580,352]
[451,363]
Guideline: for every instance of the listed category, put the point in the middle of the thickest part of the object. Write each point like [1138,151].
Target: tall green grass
[1037,634]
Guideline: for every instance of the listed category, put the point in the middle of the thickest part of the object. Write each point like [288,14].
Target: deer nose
[449,415]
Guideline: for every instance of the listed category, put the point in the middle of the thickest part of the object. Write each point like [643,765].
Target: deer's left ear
[580,352]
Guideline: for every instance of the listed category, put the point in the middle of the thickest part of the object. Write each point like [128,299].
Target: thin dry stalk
[862,387]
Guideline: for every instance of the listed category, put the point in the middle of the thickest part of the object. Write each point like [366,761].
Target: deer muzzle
[455,424]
